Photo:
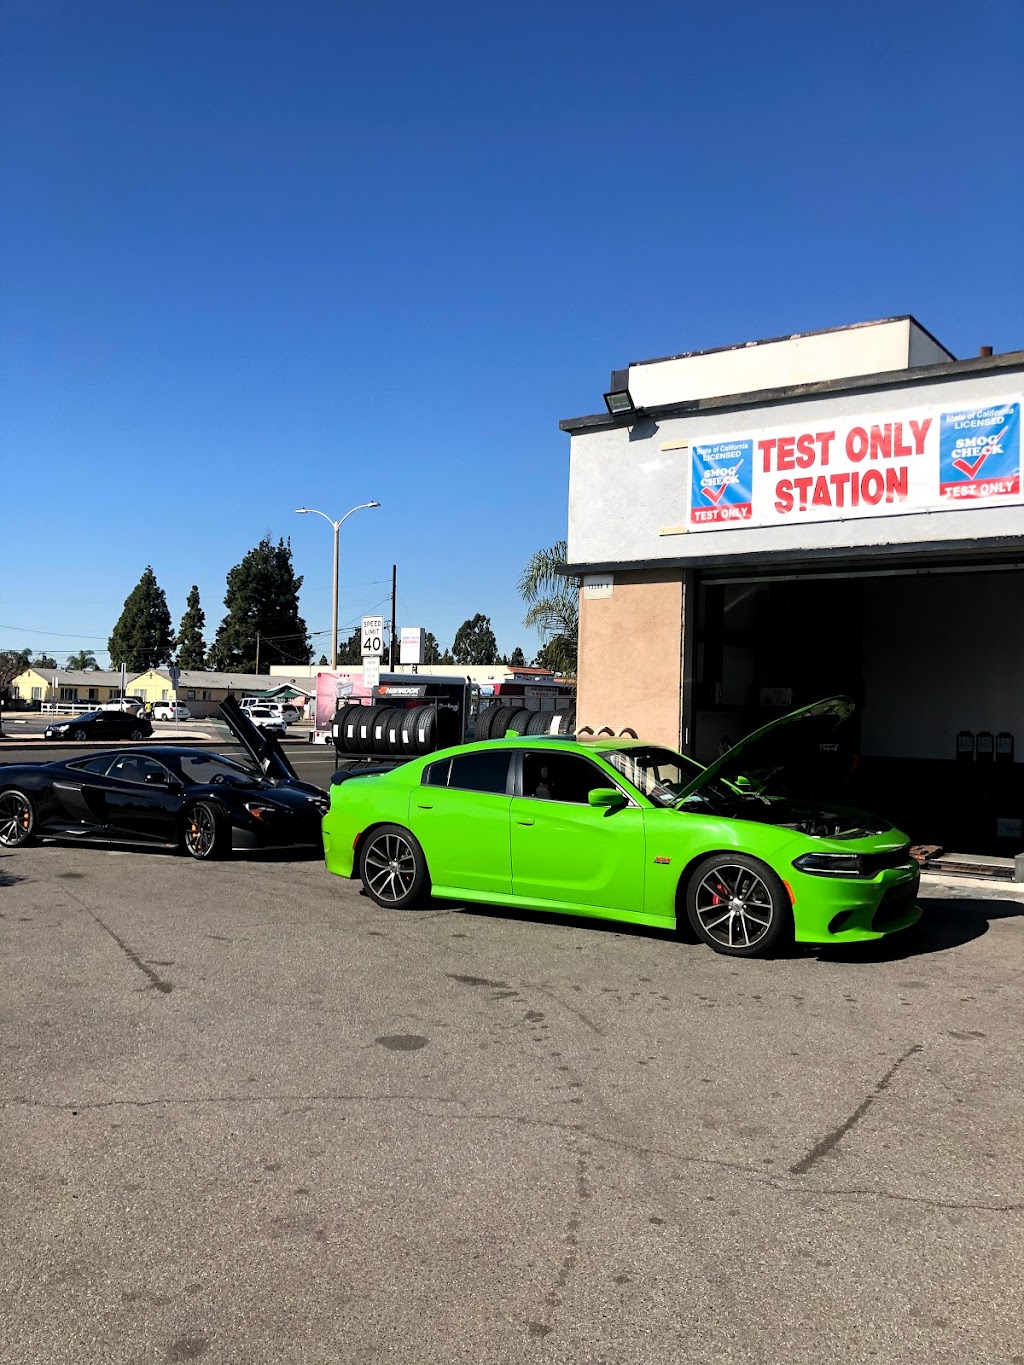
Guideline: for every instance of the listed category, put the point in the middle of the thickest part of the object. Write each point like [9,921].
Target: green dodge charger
[625,830]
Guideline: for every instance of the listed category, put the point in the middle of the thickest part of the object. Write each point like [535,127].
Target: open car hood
[262,747]
[789,741]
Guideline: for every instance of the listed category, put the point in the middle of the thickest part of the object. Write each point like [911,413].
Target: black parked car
[165,796]
[100,725]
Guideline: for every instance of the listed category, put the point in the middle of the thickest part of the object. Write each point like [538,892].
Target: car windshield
[660,774]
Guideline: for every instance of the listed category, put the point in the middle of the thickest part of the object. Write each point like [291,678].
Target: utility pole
[257,651]
[394,592]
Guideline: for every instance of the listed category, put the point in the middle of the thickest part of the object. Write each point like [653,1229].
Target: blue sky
[258,256]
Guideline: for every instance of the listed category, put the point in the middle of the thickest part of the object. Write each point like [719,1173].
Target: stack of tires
[392,730]
[494,721]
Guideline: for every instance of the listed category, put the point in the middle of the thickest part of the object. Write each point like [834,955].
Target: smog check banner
[923,459]
[722,480]
[979,452]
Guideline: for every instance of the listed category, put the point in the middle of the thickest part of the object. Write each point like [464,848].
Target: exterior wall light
[617,400]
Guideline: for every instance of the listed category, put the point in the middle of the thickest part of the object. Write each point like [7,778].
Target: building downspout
[688,655]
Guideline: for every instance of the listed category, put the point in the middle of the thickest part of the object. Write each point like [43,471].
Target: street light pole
[303,511]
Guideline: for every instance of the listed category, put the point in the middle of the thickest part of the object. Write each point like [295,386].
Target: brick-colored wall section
[630,657]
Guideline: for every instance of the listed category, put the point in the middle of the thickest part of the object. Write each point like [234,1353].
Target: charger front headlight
[831,864]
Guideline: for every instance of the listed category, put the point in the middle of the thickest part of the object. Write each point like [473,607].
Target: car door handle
[425,805]
[527,821]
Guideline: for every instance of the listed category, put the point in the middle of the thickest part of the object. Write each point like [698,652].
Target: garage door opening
[934,660]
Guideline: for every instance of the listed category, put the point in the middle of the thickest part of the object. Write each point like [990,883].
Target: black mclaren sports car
[165,796]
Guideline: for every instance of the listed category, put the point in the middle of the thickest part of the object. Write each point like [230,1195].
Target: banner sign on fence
[927,459]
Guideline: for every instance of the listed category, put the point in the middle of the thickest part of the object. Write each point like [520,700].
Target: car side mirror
[609,797]
[163,780]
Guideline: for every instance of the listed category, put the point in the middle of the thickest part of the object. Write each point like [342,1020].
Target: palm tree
[85,658]
[554,602]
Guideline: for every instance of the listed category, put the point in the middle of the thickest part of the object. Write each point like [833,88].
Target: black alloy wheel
[393,869]
[737,905]
[17,819]
[207,833]
[137,734]
[80,735]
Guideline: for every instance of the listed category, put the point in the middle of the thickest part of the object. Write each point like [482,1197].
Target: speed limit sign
[372,636]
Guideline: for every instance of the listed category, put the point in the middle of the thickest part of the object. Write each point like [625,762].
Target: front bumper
[854,909]
[280,832]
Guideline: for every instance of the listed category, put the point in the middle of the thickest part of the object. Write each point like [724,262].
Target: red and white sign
[911,461]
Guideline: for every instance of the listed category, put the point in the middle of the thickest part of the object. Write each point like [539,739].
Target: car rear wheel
[17,819]
[737,905]
[207,832]
[393,868]
[137,734]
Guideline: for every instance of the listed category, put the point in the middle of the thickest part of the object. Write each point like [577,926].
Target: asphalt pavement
[248,1116]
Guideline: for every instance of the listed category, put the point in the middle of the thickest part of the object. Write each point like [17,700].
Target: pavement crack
[185,1101]
[571,1009]
[579,1131]
[833,1138]
[155,979]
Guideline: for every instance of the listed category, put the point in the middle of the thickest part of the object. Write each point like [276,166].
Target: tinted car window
[436,774]
[483,772]
[135,768]
[554,776]
[92,765]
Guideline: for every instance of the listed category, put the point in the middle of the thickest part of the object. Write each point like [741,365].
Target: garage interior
[932,654]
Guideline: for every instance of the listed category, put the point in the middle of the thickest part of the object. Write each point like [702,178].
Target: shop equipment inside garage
[764,525]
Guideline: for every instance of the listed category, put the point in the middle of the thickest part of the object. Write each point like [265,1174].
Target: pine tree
[12,662]
[517,659]
[431,649]
[263,604]
[191,645]
[474,642]
[348,649]
[142,637]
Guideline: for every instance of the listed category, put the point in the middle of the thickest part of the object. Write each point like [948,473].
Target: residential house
[202,691]
[68,685]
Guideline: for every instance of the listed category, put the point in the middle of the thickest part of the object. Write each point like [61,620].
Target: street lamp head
[373,504]
[302,510]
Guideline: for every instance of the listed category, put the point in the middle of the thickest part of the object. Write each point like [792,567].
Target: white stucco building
[841,511]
